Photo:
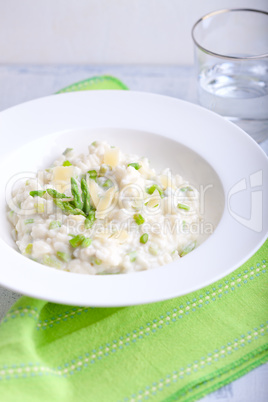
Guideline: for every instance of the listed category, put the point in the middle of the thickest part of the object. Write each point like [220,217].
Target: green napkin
[99,82]
[180,349]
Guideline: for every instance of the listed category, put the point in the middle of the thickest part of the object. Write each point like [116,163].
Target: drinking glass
[231,59]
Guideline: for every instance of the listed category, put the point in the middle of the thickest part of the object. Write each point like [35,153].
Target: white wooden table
[19,83]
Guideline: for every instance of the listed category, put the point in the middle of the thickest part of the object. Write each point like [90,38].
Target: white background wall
[104,31]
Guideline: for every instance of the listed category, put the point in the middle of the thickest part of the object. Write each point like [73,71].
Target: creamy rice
[125,218]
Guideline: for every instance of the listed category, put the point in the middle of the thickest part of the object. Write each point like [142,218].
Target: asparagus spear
[90,219]
[85,196]
[76,194]
[56,194]
[65,206]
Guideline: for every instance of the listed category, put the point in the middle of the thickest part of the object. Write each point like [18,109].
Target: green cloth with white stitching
[180,349]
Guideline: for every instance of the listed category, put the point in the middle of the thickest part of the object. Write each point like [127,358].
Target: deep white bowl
[210,152]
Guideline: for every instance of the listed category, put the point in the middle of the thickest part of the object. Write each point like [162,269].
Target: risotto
[104,212]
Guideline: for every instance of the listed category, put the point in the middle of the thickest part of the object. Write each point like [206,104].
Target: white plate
[200,145]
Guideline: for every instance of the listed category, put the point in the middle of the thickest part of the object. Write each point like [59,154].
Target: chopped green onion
[183,206]
[144,238]
[154,187]
[138,219]
[27,221]
[94,143]
[80,240]
[186,189]
[188,249]
[55,194]
[136,166]
[67,150]
[93,174]
[63,256]
[97,261]
[132,256]
[29,248]
[54,225]
[66,163]
[39,193]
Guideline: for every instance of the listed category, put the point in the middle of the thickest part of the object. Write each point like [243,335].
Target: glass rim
[222,56]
